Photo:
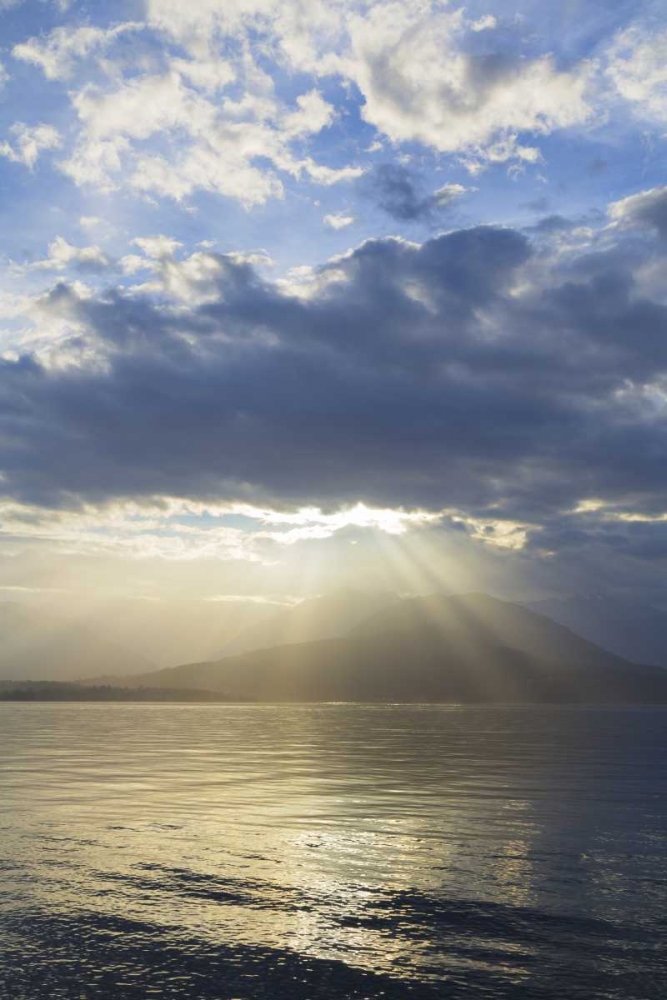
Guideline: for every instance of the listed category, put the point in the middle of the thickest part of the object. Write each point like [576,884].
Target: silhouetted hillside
[465,621]
[462,649]
[330,616]
[58,691]
[628,628]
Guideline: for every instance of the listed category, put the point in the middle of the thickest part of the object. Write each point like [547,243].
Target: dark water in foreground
[332,852]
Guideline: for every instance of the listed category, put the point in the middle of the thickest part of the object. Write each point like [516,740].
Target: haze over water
[332,851]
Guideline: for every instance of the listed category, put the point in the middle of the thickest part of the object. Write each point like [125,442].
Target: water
[332,852]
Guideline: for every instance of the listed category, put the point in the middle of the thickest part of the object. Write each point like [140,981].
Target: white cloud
[505,150]
[28,142]
[498,534]
[127,530]
[143,107]
[283,602]
[308,523]
[647,209]
[96,162]
[420,85]
[339,221]
[4,76]
[90,221]
[417,80]
[62,254]
[484,23]
[313,115]
[200,168]
[133,262]
[57,54]
[219,146]
[207,74]
[157,246]
[173,529]
[206,116]
[326,175]
[12,306]
[135,111]
[195,24]
[448,193]
[637,67]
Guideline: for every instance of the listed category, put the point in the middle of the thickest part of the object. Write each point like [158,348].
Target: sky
[302,293]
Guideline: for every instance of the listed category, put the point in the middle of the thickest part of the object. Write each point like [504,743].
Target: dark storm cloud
[410,375]
[393,188]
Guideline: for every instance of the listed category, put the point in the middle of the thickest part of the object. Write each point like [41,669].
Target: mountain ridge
[631,629]
[433,649]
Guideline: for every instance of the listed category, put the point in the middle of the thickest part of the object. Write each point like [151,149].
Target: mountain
[630,629]
[330,616]
[463,621]
[38,646]
[105,639]
[470,648]
[167,632]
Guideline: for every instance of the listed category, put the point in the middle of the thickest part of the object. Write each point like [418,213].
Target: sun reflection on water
[408,841]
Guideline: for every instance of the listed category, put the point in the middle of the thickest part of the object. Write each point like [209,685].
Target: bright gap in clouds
[283,555]
[174,529]
[301,255]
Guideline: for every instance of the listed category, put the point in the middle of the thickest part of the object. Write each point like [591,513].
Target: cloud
[484,23]
[131,532]
[647,209]
[178,529]
[420,84]
[160,124]
[471,374]
[57,54]
[421,74]
[338,220]
[636,66]
[393,188]
[63,255]
[28,142]
[157,246]
[312,115]
[206,85]
[244,134]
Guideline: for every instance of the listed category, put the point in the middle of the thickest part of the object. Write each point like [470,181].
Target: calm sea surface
[335,851]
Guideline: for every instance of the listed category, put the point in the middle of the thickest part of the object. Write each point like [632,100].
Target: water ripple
[257,852]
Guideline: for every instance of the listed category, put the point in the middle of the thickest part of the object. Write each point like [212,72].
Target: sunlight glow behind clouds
[175,529]
[245,261]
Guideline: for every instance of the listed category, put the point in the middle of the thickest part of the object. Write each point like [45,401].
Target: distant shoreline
[55,692]
[58,691]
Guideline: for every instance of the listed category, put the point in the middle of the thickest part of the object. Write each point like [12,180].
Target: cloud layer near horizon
[483,371]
